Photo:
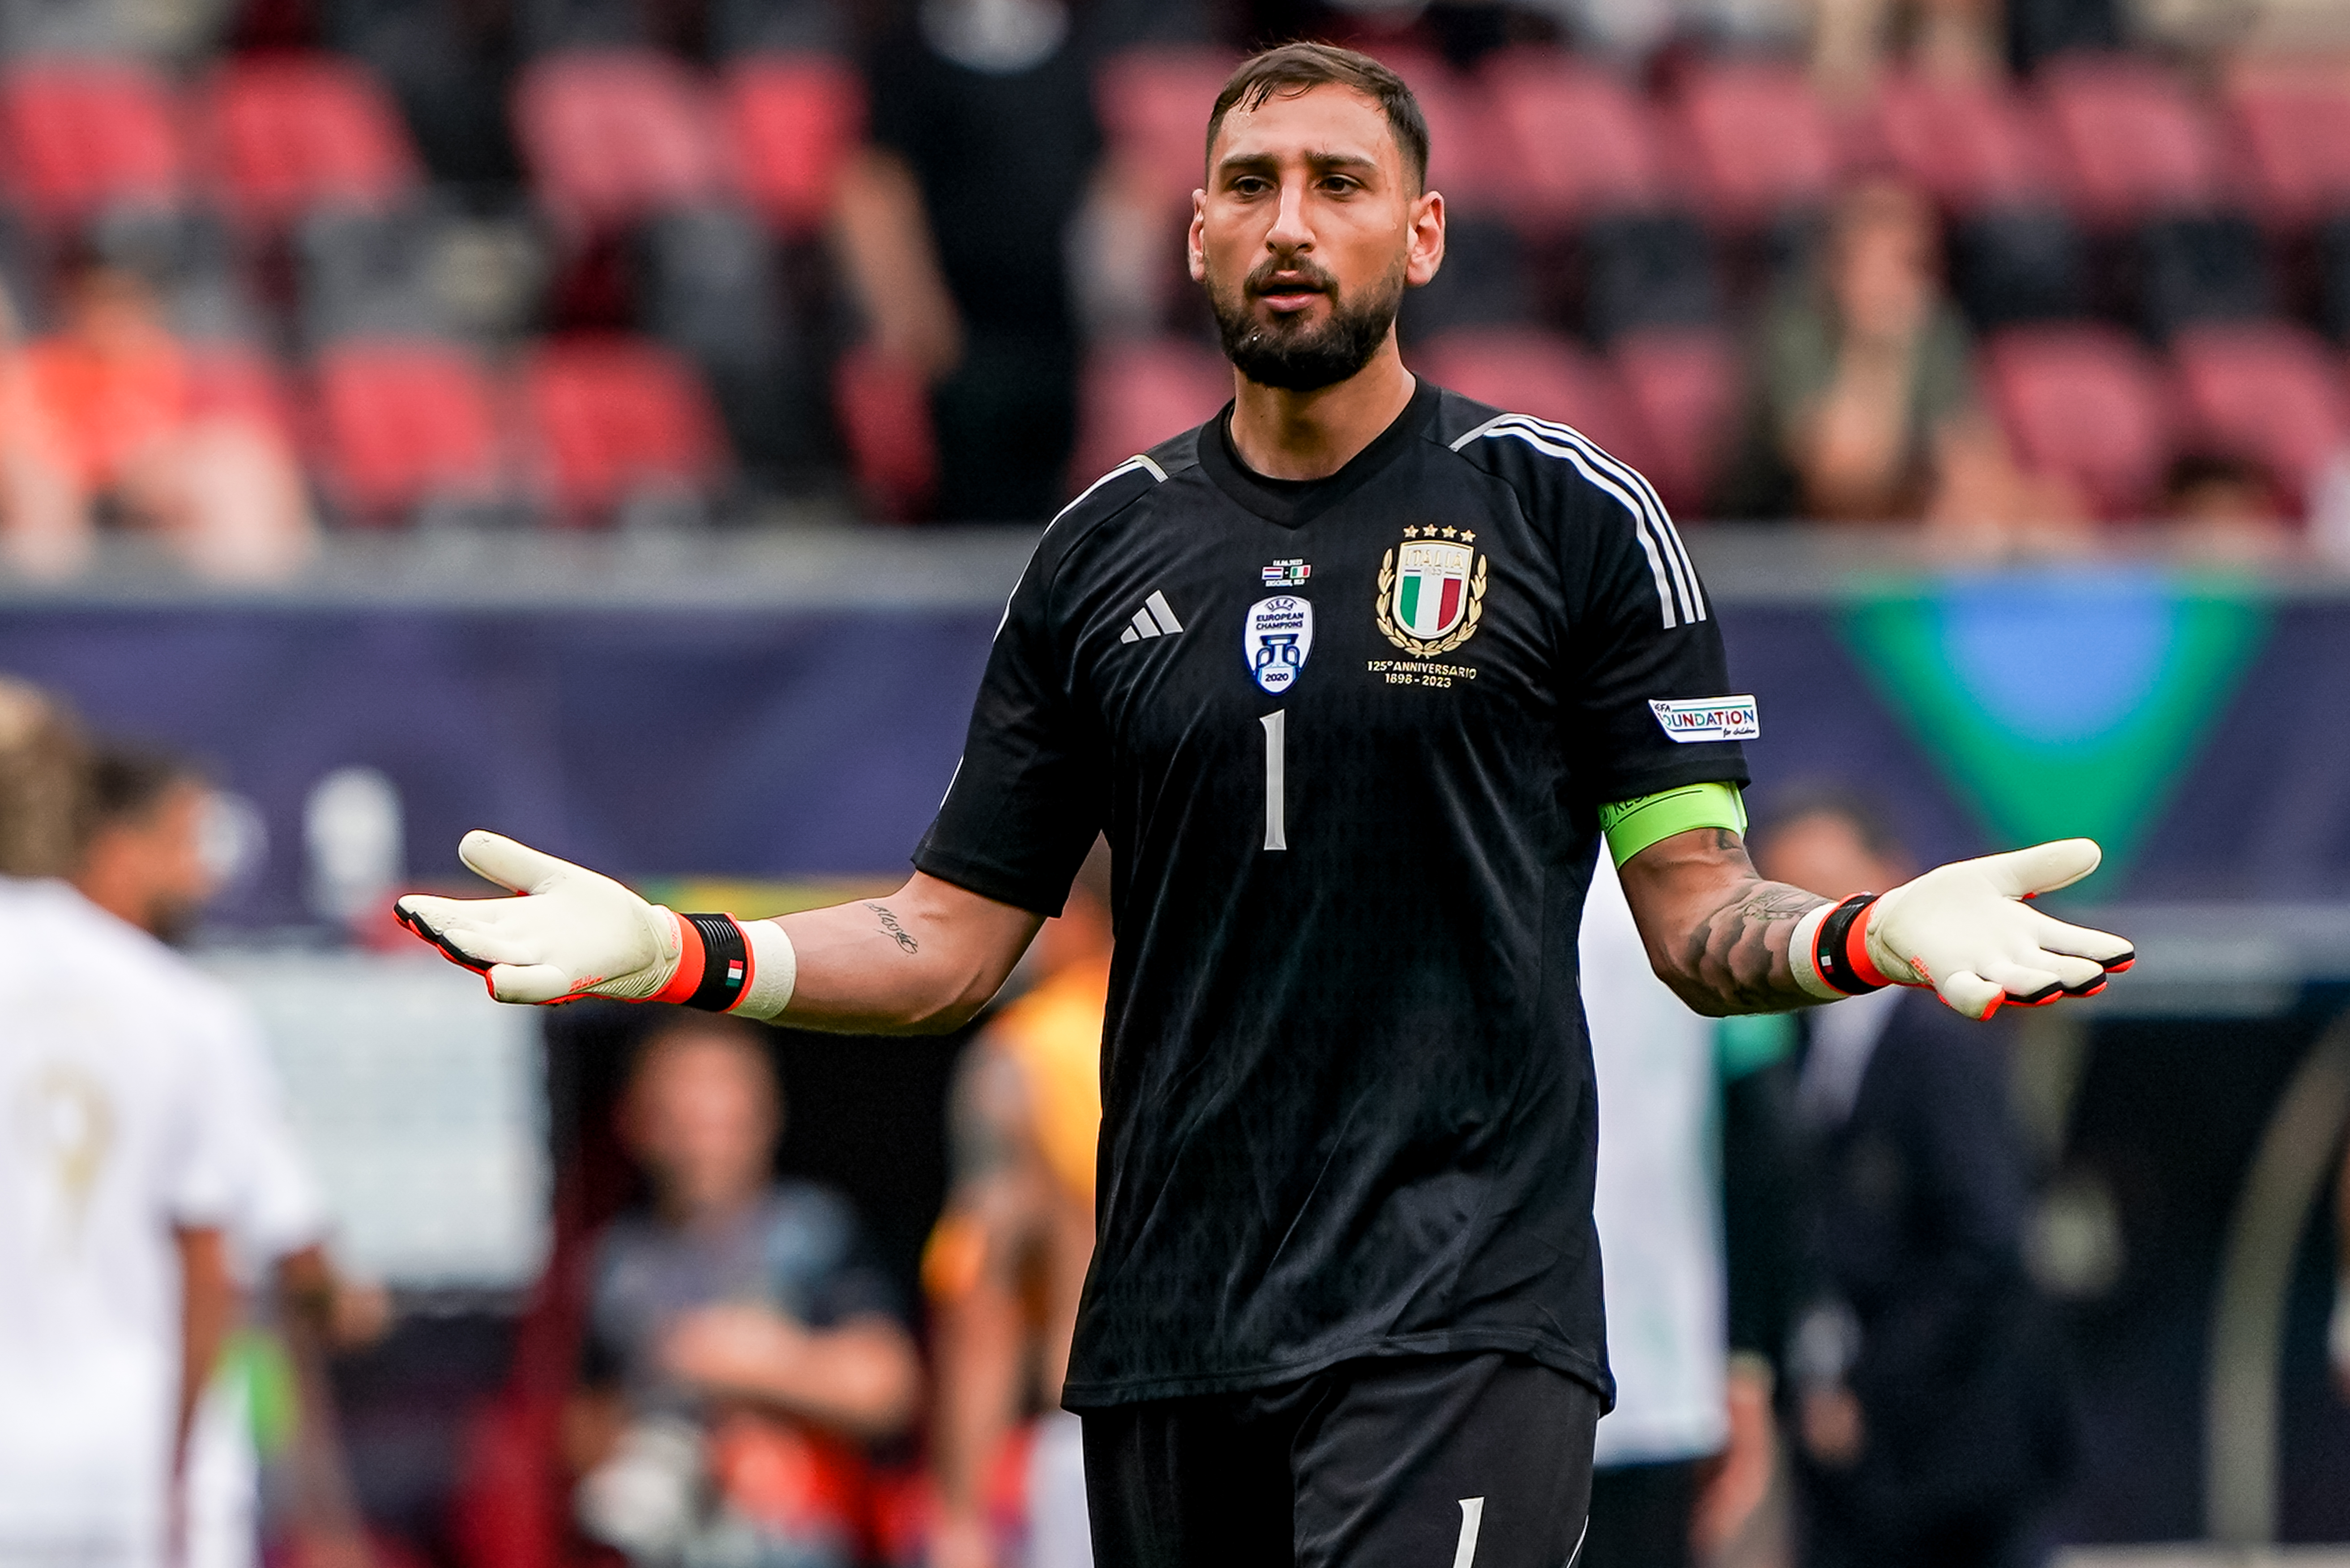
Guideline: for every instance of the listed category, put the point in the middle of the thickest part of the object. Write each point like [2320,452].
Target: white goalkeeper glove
[1966,930]
[574,933]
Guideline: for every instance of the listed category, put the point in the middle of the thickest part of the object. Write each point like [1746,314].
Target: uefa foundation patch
[1708,718]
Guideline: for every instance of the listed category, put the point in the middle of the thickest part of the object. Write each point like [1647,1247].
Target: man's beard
[1290,355]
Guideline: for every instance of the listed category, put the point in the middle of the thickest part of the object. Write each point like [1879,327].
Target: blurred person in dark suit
[1931,1410]
[740,1345]
[954,222]
[145,865]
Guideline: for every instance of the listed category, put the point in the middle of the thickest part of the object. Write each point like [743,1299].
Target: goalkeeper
[1354,677]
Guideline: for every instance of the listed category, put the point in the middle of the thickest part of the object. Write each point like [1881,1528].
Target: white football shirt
[1659,1218]
[112,1132]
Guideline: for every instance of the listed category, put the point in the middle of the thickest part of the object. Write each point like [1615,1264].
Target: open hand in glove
[1966,930]
[576,933]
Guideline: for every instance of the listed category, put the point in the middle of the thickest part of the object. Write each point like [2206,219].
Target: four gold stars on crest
[1467,537]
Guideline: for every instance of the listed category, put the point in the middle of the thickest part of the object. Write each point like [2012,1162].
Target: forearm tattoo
[1735,960]
[896,932]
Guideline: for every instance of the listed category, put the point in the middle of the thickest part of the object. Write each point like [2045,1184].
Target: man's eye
[1250,185]
[1340,184]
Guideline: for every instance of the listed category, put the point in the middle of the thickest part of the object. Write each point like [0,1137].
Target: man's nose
[1290,231]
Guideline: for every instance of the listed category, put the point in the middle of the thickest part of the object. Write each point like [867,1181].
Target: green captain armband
[1631,826]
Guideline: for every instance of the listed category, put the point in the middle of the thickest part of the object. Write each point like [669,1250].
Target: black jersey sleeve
[1027,798]
[1650,704]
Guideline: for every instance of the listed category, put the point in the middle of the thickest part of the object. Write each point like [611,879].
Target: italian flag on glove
[1967,931]
[575,933]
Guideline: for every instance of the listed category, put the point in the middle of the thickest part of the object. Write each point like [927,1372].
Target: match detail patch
[1708,718]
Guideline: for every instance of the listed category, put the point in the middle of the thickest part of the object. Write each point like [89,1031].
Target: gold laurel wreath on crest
[1426,648]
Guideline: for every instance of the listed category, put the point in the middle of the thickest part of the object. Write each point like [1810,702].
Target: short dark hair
[126,783]
[1292,69]
[44,784]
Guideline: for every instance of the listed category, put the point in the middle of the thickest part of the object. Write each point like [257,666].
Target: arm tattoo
[897,933]
[1735,960]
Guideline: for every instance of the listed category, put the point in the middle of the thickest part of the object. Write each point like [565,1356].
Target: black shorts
[1478,1461]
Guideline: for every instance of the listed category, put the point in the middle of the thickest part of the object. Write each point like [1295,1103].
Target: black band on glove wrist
[1832,949]
[725,963]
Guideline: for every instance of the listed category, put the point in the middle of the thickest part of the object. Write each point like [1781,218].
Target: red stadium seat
[1470,159]
[1136,395]
[1972,145]
[2087,404]
[612,136]
[2135,144]
[884,410]
[1684,385]
[792,120]
[1538,373]
[2264,391]
[288,133]
[234,379]
[402,423]
[610,417]
[83,135]
[1585,144]
[1154,105]
[1762,140]
[2293,124]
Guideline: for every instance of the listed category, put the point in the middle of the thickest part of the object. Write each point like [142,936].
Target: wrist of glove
[576,933]
[1967,931]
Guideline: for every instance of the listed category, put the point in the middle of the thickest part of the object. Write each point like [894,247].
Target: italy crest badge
[1431,591]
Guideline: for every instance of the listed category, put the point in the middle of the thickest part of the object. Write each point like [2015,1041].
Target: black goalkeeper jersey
[1348,738]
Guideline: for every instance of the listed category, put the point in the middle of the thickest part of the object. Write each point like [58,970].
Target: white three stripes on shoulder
[1668,561]
[1140,462]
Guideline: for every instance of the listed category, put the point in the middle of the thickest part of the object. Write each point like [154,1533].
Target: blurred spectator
[739,1346]
[120,1165]
[1862,404]
[145,866]
[115,422]
[2230,506]
[1931,1410]
[1670,1443]
[955,222]
[1950,40]
[1006,1264]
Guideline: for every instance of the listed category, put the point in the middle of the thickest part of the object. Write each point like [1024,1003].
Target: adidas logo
[1153,619]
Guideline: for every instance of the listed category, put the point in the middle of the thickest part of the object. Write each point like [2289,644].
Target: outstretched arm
[1727,941]
[922,960]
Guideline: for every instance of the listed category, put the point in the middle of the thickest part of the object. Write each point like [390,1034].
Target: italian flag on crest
[1431,590]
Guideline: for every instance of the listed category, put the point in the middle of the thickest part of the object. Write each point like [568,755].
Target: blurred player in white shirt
[115,1179]
[1669,1449]
[144,865]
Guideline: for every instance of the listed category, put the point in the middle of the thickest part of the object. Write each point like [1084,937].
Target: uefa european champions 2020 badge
[1279,635]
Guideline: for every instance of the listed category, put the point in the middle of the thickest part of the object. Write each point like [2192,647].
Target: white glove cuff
[1803,955]
[774,968]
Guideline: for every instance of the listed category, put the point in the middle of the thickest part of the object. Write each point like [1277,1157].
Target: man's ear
[1426,252]
[1196,241]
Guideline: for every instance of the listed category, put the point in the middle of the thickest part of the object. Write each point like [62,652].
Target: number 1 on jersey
[1277,753]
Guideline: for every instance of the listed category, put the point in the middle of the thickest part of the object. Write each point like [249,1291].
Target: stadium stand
[613,425]
[1763,146]
[84,135]
[2293,121]
[884,410]
[1581,142]
[1152,104]
[791,120]
[2267,392]
[615,136]
[2088,403]
[403,426]
[285,135]
[1684,384]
